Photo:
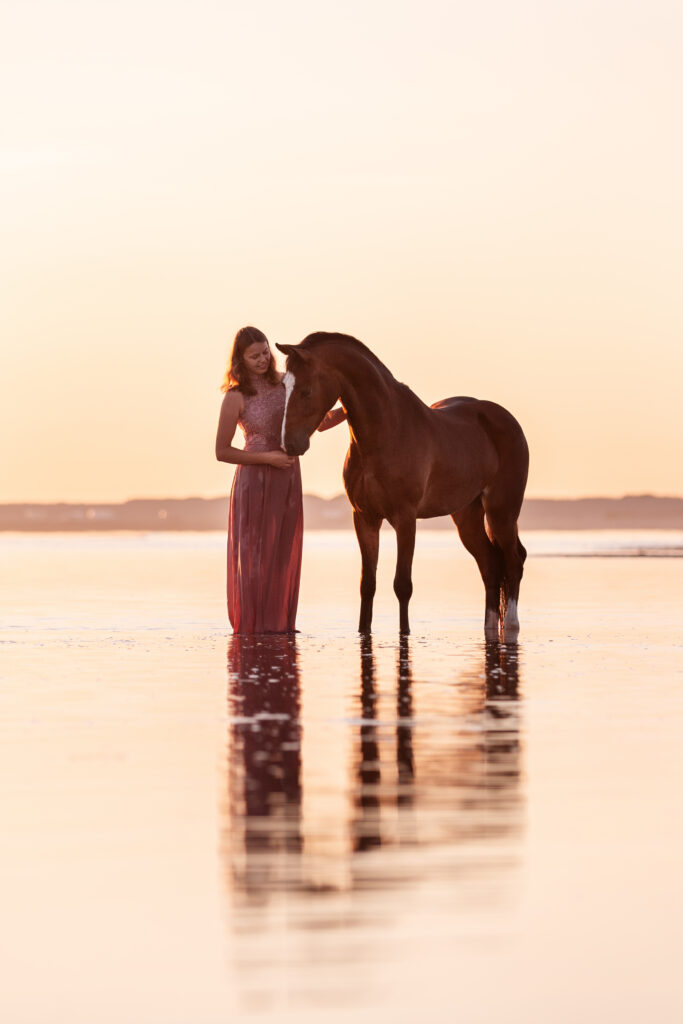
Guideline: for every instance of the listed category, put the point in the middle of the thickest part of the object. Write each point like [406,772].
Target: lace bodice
[261,417]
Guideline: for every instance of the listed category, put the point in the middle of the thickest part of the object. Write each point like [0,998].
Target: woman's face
[257,358]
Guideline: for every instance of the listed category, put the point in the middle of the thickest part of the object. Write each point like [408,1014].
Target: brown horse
[460,457]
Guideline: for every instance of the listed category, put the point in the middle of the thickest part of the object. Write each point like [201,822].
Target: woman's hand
[332,418]
[278,459]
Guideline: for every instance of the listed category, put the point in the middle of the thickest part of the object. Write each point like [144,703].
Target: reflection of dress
[266,525]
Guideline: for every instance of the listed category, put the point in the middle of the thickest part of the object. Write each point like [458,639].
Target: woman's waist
[262,443]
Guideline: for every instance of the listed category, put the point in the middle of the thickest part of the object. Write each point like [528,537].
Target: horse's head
[311,390]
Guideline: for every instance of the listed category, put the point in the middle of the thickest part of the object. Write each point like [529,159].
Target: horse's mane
[345,341]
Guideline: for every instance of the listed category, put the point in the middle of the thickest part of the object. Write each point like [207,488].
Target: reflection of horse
[460,457]
[266,758]
[366,826]
[444,772]
[472,768]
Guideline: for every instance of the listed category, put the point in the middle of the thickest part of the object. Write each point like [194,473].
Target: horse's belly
[454,485]
[434,505]
[430,485]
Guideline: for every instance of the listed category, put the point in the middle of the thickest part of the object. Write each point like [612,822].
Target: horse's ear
[292,350]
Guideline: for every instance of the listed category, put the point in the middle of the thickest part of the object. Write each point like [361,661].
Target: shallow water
[198,828]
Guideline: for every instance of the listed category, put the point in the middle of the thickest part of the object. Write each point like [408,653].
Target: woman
[265,530]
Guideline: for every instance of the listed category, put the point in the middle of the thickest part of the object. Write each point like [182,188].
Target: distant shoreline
[631,512]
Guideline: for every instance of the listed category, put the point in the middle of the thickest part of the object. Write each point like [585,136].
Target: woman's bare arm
[332,418]
[227,425]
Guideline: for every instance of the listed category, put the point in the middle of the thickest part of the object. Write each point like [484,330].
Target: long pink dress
[265,532]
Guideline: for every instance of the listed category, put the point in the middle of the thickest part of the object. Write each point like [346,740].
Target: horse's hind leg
[503,528]
[367,532]
[470,523]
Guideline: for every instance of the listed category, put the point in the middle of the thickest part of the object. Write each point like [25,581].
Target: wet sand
[202,828]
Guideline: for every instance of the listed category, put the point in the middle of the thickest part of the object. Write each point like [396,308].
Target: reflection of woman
[266,511]
[265,775]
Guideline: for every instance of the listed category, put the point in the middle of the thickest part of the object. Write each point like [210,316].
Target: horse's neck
[369,394]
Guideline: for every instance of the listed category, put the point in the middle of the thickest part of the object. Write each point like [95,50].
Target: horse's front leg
[403,582]
[367,532]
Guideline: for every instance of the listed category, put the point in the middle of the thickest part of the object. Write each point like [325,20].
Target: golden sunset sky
[488,195]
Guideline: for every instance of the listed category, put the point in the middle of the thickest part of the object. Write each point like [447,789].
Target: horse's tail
[504,587]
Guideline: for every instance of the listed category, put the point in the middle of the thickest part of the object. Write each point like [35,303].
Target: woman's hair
[237,375]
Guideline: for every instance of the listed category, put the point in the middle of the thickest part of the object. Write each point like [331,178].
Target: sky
[488,195]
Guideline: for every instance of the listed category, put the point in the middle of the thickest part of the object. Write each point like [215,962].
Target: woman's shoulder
[233,398]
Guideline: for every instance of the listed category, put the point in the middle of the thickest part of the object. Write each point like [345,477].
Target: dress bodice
[261,417]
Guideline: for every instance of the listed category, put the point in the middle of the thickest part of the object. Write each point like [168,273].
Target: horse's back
[446,403]
[495,419]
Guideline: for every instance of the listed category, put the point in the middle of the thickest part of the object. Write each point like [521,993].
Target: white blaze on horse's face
[288,381]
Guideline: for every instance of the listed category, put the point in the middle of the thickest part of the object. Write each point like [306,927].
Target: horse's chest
[374,494]
[363,492]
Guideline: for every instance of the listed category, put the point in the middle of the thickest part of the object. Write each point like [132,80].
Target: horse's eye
[306,393]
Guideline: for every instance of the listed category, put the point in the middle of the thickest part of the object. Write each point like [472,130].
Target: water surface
[203,828]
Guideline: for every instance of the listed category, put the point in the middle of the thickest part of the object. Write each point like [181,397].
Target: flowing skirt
[265,537]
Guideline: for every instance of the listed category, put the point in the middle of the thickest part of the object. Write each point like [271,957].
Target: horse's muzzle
[298,444]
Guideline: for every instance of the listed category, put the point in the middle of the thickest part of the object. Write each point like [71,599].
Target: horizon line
[334,497]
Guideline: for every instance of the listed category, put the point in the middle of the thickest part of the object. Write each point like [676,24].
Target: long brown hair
[237,375]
